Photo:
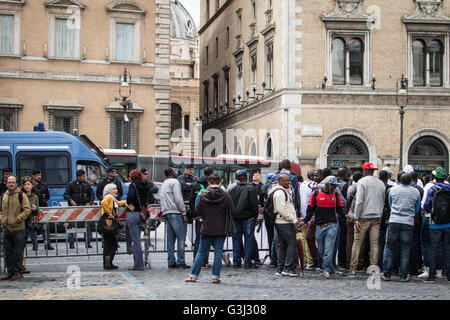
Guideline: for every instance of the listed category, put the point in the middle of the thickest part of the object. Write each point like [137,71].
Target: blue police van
[58,155]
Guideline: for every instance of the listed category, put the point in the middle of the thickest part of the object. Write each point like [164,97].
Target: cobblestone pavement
[48,280]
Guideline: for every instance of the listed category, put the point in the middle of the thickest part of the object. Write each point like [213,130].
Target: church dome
[182,25]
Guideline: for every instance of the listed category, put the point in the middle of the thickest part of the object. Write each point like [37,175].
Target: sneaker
[184,266]
[429,280]
[309,267]
[385,278]
[273,264]
[326,275]
[290,273]
[425,273]
[319,271]
[352,274]
[338,273]
[439,274]
[279,273]
[405,279]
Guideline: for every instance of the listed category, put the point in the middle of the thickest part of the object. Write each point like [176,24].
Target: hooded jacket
[12,214]
[212,206]
[245,201]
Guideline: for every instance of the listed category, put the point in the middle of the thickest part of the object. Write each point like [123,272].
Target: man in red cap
[370,196]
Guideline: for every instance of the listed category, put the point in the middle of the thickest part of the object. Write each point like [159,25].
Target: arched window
[269,148]
[427,153]
[347,150]
[252,148]
[435,50]
[239,148]
[419,63]
[338,52]
[175,119]
[356,61]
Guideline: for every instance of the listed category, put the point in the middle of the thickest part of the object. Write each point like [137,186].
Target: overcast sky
[193,6]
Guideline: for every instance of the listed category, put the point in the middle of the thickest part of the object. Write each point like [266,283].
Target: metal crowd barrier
[58,224]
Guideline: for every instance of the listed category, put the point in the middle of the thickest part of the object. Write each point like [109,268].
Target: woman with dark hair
[137,198]
[29,189]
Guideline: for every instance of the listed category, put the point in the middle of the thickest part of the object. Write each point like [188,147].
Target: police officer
[110,178]
[6,173]
[187,181]
[80,193]
[43,194]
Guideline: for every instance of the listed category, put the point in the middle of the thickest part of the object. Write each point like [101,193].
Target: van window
[94,171]
[5,160]
[55,166]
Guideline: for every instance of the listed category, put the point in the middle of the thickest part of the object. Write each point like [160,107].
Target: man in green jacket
[14,210]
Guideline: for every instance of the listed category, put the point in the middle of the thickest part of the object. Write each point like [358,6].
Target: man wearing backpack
[306,188]
[286,169]
[324,204]
[280,206]
[245,201]
[438,204]
[14,210]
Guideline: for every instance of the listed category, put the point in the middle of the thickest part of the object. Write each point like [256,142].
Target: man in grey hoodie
[174,213]
[370,196]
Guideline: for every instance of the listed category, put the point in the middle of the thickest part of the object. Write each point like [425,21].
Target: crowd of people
[330,224]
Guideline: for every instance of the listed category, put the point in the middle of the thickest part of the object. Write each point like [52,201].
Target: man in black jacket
[245,201]
[80,193]
[187,181]
[110,178]
[43,194]
[6,173]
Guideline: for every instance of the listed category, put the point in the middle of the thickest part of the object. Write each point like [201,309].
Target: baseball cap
[270,175]
[440,173]
[241,173]
[408,168]
[369,166]
[144,170]
[331,180]
[388,170]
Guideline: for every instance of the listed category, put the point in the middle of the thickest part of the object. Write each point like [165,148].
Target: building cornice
[214,17]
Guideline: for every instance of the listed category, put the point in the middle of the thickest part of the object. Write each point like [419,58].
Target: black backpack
[440,213]
[20,197]
[269,215]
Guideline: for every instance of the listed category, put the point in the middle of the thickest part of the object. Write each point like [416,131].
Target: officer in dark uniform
[80,193]
[110,178]
[6,173]
[43,194]
[187,181]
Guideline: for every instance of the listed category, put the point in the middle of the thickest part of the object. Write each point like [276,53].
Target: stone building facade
[327,77]
[60,62]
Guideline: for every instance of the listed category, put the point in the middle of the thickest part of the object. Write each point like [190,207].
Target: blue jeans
[381,244]
[425,241]
[134,238]
[273,251]
[205,243]
[246,228]
[398,233]
[326,239]
[198,226]
[336,243]
[175,229]
[439,238]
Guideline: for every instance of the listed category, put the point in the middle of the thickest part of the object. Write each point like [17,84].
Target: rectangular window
[216,94]
[94,171]
[125,41]
[269,66]
[6,33]
[239,89]
[217,4]
[63,124]
[122,133]
[186,126]
[5,160]
[217,47]
[228,37]
[55,166]
[227,88]
[207,54]
[253,69]
[207,10]
[6,122]
[64,38]
[206,97]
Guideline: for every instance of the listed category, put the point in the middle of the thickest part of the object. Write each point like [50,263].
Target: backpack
[20,198]
[440,212]
[269,215]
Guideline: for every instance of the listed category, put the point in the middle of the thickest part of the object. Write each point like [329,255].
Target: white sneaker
[309,266]
[439,274]
[326,275]
[425,273]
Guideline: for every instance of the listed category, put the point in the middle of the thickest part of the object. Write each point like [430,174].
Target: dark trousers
[287,246]
[311,240]
[439,237]
[415,260]
[13,242]
[109,247]
[398,234]
[270,227]
[342,247]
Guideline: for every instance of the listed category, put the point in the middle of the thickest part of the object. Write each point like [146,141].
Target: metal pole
[402,114]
